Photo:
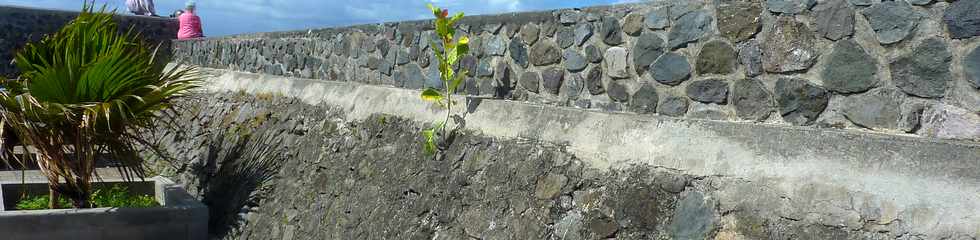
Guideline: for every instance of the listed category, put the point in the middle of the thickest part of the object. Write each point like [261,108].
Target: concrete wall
[907,67]
[22,25]
[180,217]
[291,158]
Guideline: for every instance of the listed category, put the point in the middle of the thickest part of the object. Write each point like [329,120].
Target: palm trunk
[53,197]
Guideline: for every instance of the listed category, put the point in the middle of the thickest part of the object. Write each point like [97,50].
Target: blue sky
[224,17]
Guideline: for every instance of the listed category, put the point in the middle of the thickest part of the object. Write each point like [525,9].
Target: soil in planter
[116,196]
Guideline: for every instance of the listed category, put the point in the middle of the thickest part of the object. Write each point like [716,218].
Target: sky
[228,17]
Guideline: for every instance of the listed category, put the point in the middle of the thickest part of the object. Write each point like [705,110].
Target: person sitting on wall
[141,7]
[190,23]
[177,13]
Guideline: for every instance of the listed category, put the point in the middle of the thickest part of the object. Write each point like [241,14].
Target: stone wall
[277,167]
[892,66]
[22,25]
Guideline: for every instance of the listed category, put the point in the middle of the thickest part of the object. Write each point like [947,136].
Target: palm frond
[82,91]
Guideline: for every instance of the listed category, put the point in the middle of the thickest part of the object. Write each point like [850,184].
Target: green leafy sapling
[453,48]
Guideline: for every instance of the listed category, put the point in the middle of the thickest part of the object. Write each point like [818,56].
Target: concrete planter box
[180,216]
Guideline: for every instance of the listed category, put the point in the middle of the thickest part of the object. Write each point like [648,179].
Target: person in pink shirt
[190,23]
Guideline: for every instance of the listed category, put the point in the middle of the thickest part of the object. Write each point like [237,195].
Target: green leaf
[442,27]
[432,95]
[462,50]
[457,81]
[430,141]
[435,11]
[455,18]
[452,57]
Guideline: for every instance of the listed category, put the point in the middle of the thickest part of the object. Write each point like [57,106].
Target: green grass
[115,196]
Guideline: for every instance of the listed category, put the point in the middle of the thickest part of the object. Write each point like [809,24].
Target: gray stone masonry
[926,49]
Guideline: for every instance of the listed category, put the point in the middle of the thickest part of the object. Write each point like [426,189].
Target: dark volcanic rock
[919,2]
[530,81]
[689,28]
[574,61]
[618,92]
[850,69]
[468,63]
[545,53]
[716,57]
[403,57]
[611,31]
[963,19]
[671,69]
[502,81]
[582,33]
[565,37]
[750,56]
[924,72]
[574,83]
[800,102]
[708,91]
[834,19]
[645,100]
[593,54]
[674,106]
[472,87]
[410,76]
[863,2]
[739,21]
[892,21]
[495,46]
[593,81]
[878,109]
[657,18]
[694,218]
[788,46]
[751,99]
[552,79]
[789,6]
[971,64]
[646,50]
[518,52]
[484,68]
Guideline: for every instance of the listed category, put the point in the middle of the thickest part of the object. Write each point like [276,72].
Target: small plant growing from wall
[452,49]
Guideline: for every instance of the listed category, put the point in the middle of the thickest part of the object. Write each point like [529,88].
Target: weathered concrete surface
[22,25]
[352,173]
[180,217]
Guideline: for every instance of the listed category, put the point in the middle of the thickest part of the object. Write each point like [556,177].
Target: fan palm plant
[86,91]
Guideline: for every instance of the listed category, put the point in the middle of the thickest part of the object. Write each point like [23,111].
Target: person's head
[190,6]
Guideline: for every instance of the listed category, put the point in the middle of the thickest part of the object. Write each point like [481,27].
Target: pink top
[190,26]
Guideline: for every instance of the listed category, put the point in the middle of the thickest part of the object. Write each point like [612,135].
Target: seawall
[787,119]
[665,120]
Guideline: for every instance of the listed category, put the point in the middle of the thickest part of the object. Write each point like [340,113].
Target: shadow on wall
[227,169]
[247,166]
